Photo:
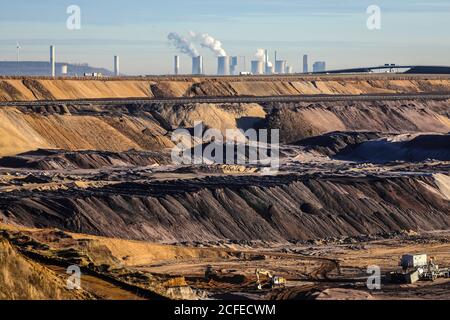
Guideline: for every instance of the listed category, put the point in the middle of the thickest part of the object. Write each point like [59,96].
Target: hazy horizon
[413,32]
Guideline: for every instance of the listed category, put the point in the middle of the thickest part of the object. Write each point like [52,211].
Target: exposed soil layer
[297,122]
[334,143]
[275,208]
[23,279]
[65,160]
[402,148]
[376,147]
[60,89]
[359,183]
[320,269]
[148,127]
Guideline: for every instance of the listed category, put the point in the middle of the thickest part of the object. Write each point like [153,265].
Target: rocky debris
[39,90]
[69,160]
[405,148]
[333,143]
[302,120]
[8,92]
[342,294]
[265,208]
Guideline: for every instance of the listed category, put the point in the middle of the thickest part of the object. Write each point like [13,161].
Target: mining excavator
[274,281]
[418,267]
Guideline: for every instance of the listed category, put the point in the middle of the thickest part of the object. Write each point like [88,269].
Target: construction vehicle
[418,268]
[274,281]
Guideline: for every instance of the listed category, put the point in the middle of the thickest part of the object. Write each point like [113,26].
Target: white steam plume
[207,41]
[182,44]
[260,54]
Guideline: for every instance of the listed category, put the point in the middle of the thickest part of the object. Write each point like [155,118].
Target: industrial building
[319,66]
[41,69]
[64,70]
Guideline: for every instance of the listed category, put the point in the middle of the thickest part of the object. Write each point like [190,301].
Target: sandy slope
[21,132]
[38,89]
[299,121]
[239,208]
[23,279]
[148,127]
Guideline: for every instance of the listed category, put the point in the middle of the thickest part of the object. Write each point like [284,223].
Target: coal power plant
[226,64]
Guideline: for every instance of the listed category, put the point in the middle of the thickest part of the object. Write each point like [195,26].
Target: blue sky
[413,31]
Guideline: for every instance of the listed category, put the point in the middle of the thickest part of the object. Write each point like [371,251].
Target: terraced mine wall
[148,127]
[33,89]
[276,208]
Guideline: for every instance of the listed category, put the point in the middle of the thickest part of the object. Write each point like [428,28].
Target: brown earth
[281,208]
[24,279]
[148,127]
[301,121]
[60,89]
[359,183]
[123,269]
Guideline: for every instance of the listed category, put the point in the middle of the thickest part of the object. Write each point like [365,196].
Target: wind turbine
[18,51]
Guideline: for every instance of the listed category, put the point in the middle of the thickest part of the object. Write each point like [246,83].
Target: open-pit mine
[87,179]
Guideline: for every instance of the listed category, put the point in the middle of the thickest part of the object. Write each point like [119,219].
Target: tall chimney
[305,63]
[116,66]
[177,65]
[52,61]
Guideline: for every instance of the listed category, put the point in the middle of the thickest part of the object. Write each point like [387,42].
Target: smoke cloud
[207,41]
[182,44]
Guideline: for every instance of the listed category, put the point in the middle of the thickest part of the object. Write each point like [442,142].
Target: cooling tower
[197,65]
[257,67]
[233,65]
[280,66]
[305,63]
[223,66]
[270,69]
